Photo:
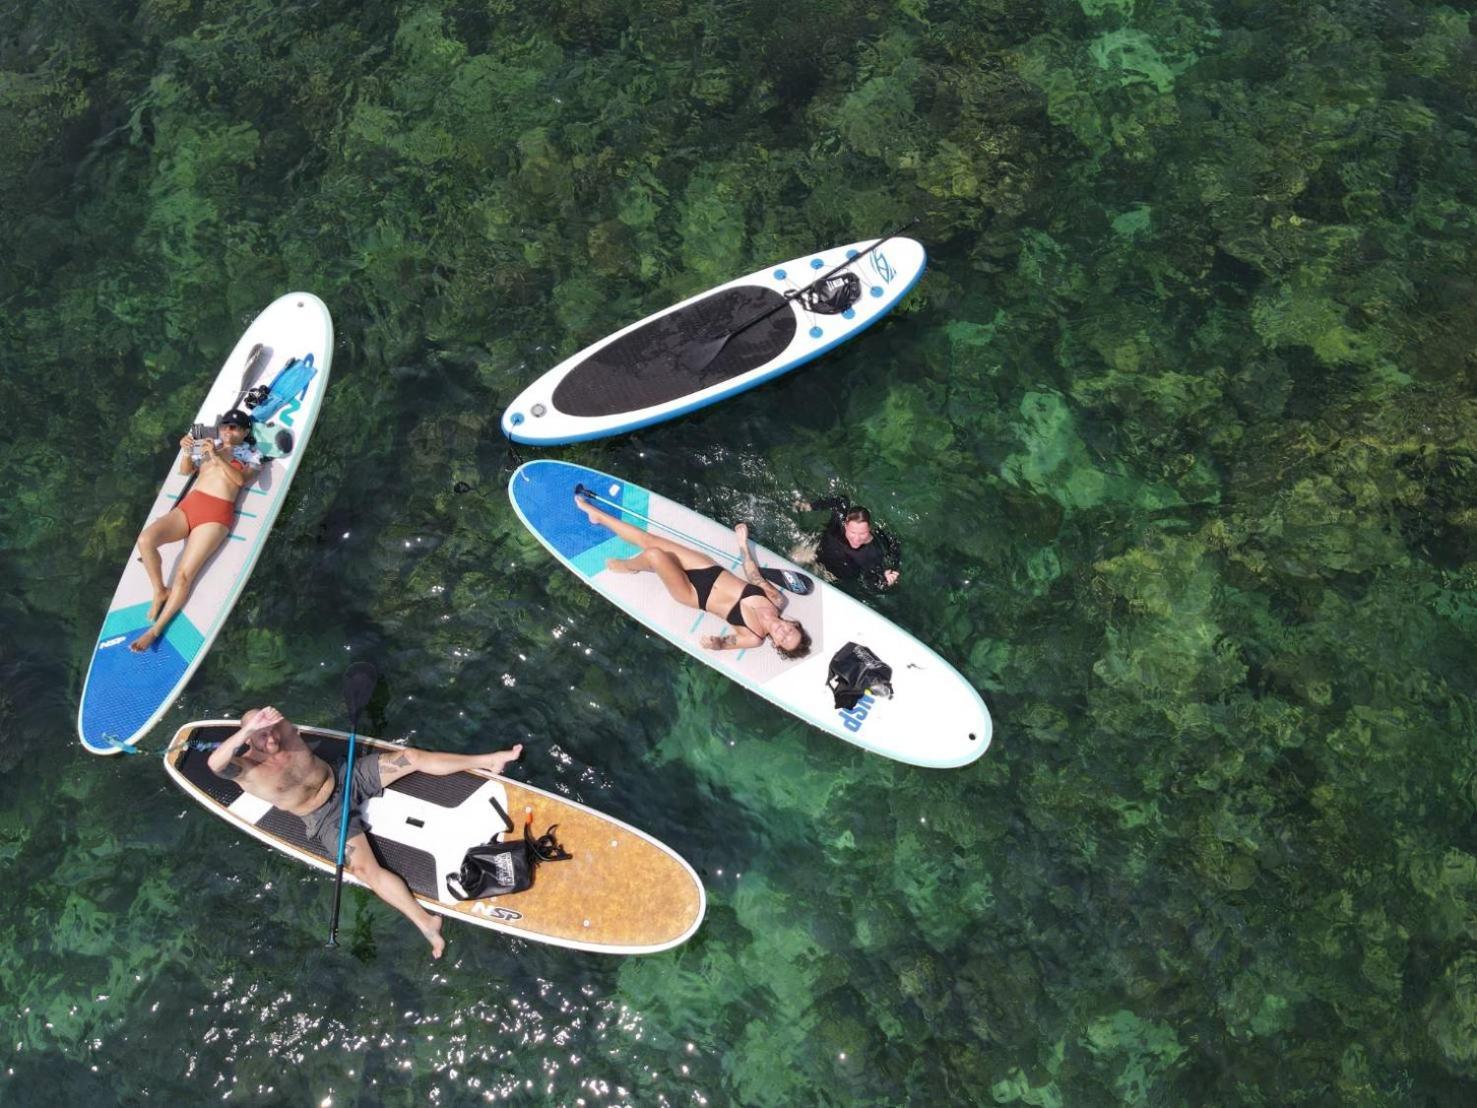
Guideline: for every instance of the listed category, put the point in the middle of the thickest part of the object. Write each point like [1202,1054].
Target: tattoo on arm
[400,760]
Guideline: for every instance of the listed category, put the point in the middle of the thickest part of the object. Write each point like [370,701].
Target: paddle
[256,359]
[699,357]
[359,682]
[793,580]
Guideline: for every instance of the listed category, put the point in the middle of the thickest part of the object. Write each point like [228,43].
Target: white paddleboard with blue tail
[716,344]
[126,693]
[933,717]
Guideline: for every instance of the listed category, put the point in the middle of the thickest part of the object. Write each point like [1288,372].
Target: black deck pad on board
[417,867]
[644,368]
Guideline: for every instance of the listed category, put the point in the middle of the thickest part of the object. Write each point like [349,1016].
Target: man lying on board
[268,759]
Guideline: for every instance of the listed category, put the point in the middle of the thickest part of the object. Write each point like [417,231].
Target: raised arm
[186,463]
[224,759]
[751,567]
[886,575]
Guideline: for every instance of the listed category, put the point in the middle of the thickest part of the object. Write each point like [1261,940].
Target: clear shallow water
[1177,432]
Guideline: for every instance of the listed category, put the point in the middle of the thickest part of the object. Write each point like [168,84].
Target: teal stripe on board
[637,499]
[184,637]
[123,620]
[592,561]
[182,634]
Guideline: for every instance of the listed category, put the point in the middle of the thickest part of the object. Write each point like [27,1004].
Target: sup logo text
[853,718]
[482,908]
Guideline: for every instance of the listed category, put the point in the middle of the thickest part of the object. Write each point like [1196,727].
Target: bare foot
[160,596]
[496,763]
[591,512]
[144,641]
[621,565]
[432,932]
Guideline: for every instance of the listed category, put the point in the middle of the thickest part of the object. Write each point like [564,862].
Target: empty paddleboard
[654,370]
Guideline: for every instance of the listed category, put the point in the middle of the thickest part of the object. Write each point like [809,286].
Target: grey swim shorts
[322,822]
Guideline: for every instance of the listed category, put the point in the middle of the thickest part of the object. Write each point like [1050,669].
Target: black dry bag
[492,869]
[856,671]
[497,869]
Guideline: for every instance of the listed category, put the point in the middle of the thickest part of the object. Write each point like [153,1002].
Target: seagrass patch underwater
[1178,433]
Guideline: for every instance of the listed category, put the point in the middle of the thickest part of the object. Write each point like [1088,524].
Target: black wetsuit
[867,562]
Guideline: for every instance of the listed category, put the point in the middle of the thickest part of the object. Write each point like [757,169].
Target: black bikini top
[736,613]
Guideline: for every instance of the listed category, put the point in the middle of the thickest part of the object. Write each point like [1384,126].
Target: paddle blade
[792,580]
[359,682]
[699,356]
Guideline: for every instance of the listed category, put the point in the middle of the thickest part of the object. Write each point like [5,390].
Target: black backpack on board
[855,672]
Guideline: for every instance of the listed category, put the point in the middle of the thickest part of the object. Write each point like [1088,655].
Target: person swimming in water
[852,549]
[752,607]
[202,519]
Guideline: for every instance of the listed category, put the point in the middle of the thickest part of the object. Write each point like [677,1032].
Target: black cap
[236,418]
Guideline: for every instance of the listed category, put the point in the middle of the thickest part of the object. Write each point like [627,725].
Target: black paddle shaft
[699,357]
[359,682]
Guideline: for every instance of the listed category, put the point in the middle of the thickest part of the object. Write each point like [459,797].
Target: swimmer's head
[858,528]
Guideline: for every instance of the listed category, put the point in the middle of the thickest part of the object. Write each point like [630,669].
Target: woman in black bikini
[694,579]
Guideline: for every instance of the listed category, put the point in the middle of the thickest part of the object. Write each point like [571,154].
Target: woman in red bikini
[202,519]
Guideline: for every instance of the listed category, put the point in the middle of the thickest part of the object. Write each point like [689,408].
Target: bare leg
[685,555]
[199,546]
[390,887]
[170,527]
[397,765]
[664,565]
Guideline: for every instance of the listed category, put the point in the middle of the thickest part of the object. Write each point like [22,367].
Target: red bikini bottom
[200,507]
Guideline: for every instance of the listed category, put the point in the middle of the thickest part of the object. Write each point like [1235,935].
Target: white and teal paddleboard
[934,717]
[126,693]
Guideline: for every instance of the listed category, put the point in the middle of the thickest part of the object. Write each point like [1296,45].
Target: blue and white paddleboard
[645,373]
[934,717]
[126,693]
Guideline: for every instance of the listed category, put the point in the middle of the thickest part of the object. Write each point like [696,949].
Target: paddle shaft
[793,293]
[343,834]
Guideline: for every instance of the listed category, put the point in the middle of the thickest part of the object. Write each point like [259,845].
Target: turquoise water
[1178,433]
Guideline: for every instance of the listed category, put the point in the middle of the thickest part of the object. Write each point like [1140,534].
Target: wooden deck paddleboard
[935,717]
[645,374]
[125,693]
[621,892]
